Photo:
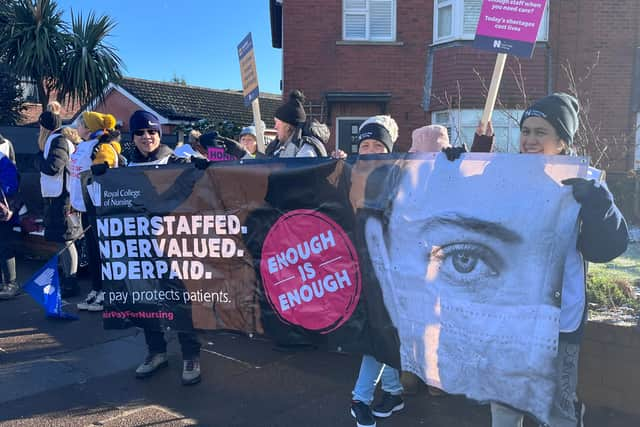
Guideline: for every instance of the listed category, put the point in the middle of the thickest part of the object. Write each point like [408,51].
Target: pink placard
[511,19]
[215,154]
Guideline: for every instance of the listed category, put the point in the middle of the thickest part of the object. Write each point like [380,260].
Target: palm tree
[33,42]
[37,44]
[90,64]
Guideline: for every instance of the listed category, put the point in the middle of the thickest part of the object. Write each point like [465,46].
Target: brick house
[175,105]
[178,105]
[413,59]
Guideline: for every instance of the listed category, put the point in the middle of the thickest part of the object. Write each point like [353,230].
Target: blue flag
[44,287]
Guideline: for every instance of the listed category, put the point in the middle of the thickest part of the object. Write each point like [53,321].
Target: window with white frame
[462,125]
[369,20]
[458,20]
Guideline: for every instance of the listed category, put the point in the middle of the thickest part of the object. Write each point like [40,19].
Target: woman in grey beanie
[548,127]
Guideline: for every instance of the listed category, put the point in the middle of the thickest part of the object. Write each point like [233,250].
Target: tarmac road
[74,373]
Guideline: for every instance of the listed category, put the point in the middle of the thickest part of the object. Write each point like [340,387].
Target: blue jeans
[371,371]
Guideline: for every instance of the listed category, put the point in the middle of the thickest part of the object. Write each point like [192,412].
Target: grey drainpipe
[428,81]
[549,69]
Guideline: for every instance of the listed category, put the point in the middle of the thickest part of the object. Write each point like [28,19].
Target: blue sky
[193,39]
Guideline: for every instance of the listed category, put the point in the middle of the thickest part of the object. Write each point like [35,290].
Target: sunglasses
[151,132]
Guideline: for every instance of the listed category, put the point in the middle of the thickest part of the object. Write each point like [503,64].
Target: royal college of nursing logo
[95,193]
[44,281]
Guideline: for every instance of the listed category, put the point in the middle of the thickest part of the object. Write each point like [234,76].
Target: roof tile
[190,103]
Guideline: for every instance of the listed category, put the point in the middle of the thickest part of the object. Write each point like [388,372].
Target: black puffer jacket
[61,222]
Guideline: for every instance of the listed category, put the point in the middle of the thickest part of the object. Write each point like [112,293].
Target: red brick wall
[356,110]
[119,106]
[612,29]
[609,374]
[578,29]
[470,70]
[314,62]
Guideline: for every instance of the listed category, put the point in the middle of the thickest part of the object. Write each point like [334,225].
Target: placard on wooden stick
[250,85]
[507,27]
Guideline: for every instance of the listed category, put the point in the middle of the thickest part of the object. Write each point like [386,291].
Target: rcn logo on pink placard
[310,271]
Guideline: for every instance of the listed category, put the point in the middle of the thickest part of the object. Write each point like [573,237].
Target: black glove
[99,169]
[482,143]
[583,189]
[232,147]
[200,163]
[454,153]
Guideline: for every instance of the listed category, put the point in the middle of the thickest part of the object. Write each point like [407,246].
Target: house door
[348,133]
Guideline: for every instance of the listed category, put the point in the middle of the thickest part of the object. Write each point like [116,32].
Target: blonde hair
[42,137]
[71,134]
[54,107]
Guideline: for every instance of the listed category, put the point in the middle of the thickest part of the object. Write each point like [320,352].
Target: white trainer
[191,371]
[91,297]
[151,364]
[98,303]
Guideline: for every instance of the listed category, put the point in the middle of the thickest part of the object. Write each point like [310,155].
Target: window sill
[451,40]
[367,43]
[467,40]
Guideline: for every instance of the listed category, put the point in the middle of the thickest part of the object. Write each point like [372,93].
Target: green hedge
[610,293]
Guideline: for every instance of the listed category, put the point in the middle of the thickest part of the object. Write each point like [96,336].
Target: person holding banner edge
[146,133]
[548,127]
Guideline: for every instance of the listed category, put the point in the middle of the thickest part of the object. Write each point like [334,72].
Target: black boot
[69,287]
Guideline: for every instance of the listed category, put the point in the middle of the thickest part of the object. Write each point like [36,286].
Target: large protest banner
[451,270]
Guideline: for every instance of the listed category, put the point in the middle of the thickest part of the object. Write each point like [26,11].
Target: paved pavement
[74,373]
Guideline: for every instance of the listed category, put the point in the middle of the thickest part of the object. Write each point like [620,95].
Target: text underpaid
[166,247]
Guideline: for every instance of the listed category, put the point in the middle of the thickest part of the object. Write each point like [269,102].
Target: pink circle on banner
[310,271]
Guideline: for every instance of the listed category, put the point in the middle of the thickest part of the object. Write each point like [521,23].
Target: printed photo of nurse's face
[470,263]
